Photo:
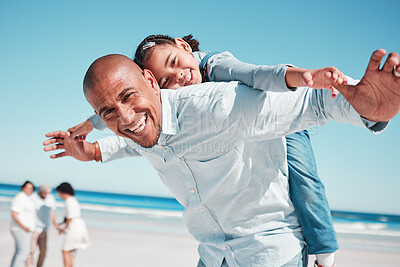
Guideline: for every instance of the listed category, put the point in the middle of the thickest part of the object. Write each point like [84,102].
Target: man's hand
[377,96]
[81,130]
[78,149]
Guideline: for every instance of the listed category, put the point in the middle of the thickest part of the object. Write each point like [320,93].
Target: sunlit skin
[174,65]
[136,94]
[126,98]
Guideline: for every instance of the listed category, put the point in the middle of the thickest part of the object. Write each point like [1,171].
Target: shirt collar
[169,116]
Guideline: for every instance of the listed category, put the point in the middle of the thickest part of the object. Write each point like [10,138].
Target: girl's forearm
[294,77]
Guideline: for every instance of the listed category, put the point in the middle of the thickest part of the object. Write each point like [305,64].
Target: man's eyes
[126,97]
[107,112]
[173,62]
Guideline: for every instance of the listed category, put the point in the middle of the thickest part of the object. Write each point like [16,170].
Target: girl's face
[62,195]
[174,65]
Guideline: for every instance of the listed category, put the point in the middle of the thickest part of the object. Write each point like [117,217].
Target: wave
[364,228]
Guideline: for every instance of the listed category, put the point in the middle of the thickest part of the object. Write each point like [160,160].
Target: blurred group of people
[31,214]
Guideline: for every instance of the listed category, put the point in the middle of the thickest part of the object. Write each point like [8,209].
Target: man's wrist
[97,152]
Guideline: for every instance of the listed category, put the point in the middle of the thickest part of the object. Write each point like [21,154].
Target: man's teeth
[139,125]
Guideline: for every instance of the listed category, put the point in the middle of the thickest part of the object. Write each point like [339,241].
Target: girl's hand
[61,231]
[322,79]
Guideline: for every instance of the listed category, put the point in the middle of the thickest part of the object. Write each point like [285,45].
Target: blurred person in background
[23,222]
[45,205]
[76,233]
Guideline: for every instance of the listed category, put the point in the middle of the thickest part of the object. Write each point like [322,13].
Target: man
[218,148]
[45,205]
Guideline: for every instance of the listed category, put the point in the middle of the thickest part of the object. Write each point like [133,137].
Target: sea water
[161,214]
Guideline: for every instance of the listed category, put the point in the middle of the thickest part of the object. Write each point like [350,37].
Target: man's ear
[149,77]
[182,44]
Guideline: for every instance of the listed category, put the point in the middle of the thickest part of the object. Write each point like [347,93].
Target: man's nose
[126,114]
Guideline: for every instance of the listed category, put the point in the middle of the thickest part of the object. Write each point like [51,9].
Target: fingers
[308,78]
[59,155]
[334,91]
[82,137]
[56,134]
[335,76]
[53,141]
[54,147]
[375,60]
[82,129]
[391,61]
[337,85]
[396,71]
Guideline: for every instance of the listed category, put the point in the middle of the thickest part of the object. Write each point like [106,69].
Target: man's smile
[139,126]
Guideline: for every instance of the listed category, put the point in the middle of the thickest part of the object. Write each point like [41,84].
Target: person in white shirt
[23,222]
[75,230]
[45,205]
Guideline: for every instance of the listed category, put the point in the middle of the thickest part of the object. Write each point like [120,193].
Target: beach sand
[171,246]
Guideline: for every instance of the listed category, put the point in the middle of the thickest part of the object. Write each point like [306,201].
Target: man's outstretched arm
[105,149]
[377,96]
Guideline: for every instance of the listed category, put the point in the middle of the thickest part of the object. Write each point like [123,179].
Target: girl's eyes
[173,62]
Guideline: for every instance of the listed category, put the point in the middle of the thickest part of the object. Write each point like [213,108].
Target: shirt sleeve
[267,115]
[17,204]
[225,67]
[115,147]
[97,122]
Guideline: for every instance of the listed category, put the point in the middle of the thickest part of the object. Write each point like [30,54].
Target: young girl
[76,234]
[177,62]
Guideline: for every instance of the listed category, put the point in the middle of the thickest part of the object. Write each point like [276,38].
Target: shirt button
[179,160]
[193,190]
[161,147]
[201,209]
[215,229]
[223,247]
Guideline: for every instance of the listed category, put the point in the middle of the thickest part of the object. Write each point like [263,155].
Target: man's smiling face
[127,99]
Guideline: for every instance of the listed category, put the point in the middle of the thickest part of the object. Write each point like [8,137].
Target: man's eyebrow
[120,95]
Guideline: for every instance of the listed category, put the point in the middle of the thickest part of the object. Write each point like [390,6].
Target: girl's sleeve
[225,67]
[97,122]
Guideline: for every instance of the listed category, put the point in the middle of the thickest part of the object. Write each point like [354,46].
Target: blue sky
[47,46]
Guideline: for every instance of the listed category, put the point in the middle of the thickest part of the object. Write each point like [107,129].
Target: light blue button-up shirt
[222,155]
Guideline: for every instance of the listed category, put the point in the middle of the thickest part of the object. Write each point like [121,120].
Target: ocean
[158,214]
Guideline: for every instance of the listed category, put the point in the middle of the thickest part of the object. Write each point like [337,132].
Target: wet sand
[138,247]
